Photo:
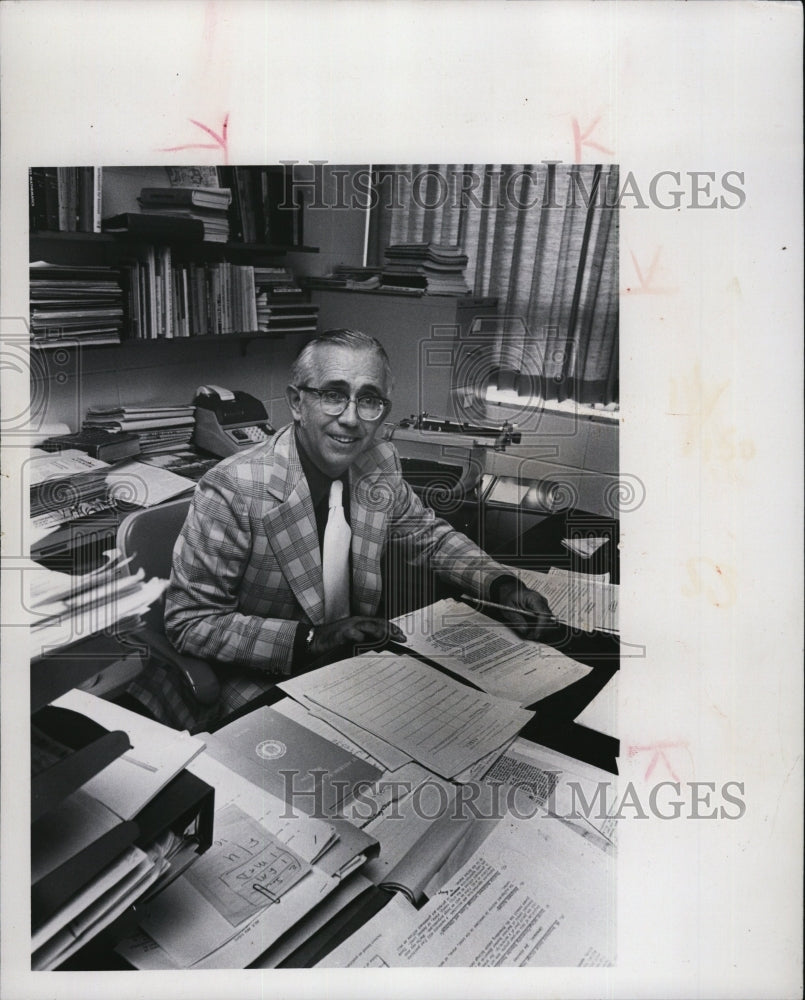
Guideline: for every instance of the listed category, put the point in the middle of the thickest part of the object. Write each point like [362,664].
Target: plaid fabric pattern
[247,564]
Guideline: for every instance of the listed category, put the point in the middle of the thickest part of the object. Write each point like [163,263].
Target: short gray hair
[301,369]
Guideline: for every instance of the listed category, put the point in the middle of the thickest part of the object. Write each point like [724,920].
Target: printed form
[437,721]
[489,654]
[580,600]
[533,894]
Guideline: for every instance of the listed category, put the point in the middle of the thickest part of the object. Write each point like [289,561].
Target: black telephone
[228,421]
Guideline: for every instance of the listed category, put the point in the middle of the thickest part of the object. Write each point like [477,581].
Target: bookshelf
[149,254]
[126,254]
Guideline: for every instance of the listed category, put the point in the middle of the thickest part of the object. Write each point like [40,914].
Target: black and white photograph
[370,582]
[387,546]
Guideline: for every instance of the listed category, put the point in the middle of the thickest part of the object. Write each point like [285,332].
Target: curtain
[540,239]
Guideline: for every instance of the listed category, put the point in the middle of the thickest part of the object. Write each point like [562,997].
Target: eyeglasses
[334,402]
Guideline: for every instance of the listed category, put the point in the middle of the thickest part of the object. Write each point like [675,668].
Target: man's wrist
[302,643]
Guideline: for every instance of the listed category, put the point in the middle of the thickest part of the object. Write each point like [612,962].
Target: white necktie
[335,558]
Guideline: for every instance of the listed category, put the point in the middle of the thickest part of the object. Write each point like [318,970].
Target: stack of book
[208,206]
[433,268]
[264,208]
[160,429]
[75,302]
[349,277]
[65,199]
[282,305]
[66,486]
[168,300]
[109,446]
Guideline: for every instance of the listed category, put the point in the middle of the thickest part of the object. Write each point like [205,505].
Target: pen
[507,607]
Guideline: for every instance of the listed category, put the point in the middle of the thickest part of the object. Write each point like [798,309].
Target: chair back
[149,537]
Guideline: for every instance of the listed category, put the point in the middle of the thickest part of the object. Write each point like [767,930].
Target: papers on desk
[557,783]
[220,920]
[145,485]
[156,756]
[95,907]
[437,721]
[580,600]
[584,547]
[291,761]
[488,653]
[64,608]
[516,902]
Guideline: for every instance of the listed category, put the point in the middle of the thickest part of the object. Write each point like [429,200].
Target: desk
[539,549]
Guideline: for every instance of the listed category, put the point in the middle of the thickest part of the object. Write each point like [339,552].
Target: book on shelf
[80,302]
[65,199]
[200,197]
[155,226]
[204,207]
[264,206]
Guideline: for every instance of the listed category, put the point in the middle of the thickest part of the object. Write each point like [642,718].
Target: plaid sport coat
[247,564]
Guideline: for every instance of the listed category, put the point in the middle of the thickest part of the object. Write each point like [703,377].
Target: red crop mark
[658,754]
[581,139]
[646,286]
[221,140]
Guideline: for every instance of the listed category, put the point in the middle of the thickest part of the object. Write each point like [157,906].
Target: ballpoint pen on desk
[547,619]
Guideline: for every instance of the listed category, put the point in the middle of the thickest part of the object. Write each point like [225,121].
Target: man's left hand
[536,617]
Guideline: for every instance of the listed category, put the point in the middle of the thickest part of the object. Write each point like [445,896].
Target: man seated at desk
[278,563]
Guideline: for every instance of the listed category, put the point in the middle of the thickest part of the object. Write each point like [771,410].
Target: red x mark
[220,140]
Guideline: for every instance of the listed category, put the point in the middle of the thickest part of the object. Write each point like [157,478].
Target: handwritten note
[246,868]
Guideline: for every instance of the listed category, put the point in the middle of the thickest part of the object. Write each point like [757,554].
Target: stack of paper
[66,486]
[580,600]
[159,428]
[439,722]
[256,882]
[64,609]
[489,654]
[100,901]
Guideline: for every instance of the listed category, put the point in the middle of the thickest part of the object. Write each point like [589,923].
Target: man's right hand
[349,632]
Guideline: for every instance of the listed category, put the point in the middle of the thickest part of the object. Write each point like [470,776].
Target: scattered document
[97,915]
[489,654]
[63,609]
[580,600]
[584,546]
[437,721]
[291,761]
[533,894]
[574,792]
[343,733]
[156,756]
[87,895]
[192,931]
[145,485]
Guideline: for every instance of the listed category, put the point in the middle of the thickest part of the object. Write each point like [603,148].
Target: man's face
[334,443]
